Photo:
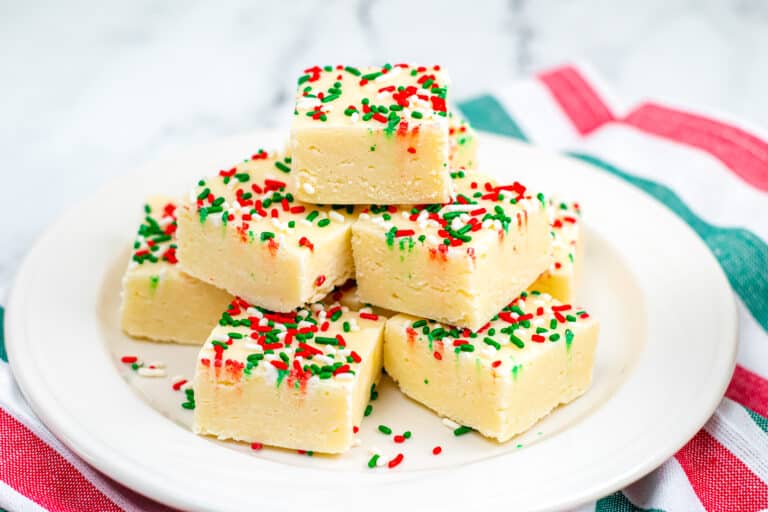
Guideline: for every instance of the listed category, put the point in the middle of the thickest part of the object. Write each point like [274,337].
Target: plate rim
[16,335]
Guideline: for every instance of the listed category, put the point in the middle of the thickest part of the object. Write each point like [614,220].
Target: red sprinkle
[496,364]
[304,242]
[369,316]
[538,338]
[320,280]
[437,450]
[396,461]
[280,365]
[399,438]
[177,385]
[404,232]
[355,429]
[256,446]
[438,355]
[129,359]
[411,150]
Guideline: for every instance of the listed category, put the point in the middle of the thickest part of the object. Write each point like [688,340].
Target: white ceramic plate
[665,355]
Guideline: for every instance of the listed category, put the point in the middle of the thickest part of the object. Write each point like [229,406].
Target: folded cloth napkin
[710,172]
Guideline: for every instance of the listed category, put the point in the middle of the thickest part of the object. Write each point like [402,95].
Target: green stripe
[742,255]
[617,502]
[3,353]
[486,113]
[761,420]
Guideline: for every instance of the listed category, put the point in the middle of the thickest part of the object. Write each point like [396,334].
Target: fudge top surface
[530,324]
[313,344]
[256,198]
[398,98]
[155,242]
[481,210]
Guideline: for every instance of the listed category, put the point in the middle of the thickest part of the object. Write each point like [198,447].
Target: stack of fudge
[462,285]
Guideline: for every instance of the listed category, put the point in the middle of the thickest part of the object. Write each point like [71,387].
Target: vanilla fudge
[371,135]
[297,380]
[159,301]
[244,231]
[457,263]
[463,144]
[347,295]
[567,249]
[536,354]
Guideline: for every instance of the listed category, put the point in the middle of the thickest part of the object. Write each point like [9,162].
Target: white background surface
[89,90]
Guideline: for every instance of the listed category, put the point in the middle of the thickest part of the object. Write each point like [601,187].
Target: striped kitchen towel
[688,161]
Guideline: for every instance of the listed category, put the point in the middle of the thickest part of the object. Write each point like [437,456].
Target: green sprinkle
[368,410]
[492,342]
[462,430]
[407,434]
[373,461]
[324,340]
[282,167]
[324,222]
[417,115]
[266,235]
[312,215]
[516,341]
[385,429]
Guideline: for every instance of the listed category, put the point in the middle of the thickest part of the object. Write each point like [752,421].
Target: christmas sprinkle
[300,348]
[531,319]
[398,98]
[156,240]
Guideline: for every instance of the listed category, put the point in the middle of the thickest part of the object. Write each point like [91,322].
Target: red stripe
[37,471]
[749,389]
[720,480]
[743,153]
[577,98]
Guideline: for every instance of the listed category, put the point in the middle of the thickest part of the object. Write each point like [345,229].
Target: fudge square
[457,263]
[533,356]
[159,301]
[372,135]
[567,250]
[243,230]
[297,380]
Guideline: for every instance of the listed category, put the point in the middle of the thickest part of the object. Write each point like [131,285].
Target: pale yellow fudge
[567,249]
[159,301]
[244,231]
[296,380]
[533,356]
[458,263]
[463,144]
[371,135]
[347,295]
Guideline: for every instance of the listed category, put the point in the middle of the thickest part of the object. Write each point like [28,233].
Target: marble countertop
[88,90]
